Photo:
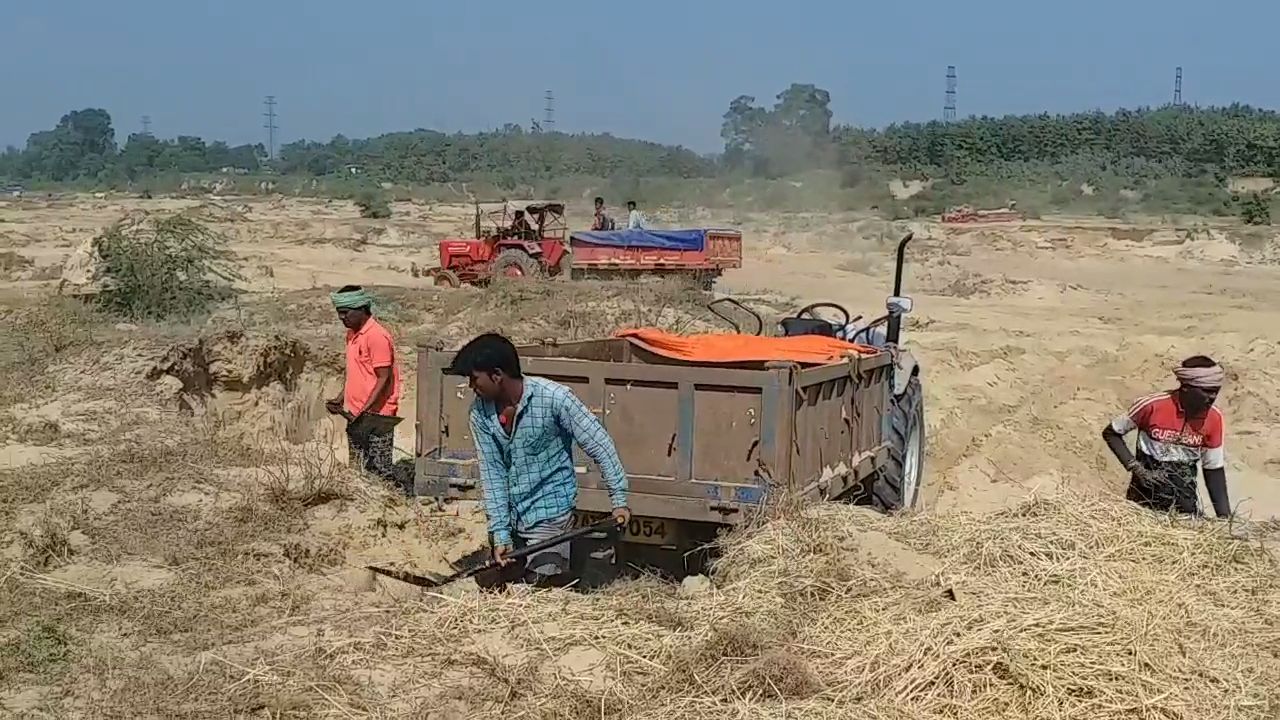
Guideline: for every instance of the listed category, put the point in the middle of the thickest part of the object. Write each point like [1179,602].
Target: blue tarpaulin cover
[657,239]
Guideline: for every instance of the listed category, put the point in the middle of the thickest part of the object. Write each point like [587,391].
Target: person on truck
[635,221]
[1177,430]
[524,429]
[601,221]
[370,396]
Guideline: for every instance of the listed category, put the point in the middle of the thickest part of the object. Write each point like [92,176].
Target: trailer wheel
[896,486]
[515,264]
[564,268]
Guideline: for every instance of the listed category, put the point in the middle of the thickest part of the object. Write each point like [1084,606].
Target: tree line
[792,135]
[796,134]
[82,148]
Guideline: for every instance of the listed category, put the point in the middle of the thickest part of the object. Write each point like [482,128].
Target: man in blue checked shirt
[524,430]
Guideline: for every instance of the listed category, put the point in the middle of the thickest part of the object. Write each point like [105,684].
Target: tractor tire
[512,264]
[896,486]
[447,278]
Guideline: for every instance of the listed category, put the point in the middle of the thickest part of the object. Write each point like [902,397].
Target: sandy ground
[1031,337]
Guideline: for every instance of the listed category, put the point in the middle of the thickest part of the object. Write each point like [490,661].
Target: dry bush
[155,267]
[47,542]
[307,478]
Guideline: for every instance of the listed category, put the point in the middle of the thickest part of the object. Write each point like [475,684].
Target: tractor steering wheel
[809,311]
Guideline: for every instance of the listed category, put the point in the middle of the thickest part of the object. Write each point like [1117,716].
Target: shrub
[1255,211]
[373,205]
[161,267]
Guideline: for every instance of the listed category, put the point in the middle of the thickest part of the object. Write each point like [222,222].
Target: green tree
[793,136]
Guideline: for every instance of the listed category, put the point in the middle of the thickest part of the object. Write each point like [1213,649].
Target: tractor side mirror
[898,305]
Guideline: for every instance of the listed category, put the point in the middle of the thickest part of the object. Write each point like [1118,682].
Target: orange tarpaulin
[729,348]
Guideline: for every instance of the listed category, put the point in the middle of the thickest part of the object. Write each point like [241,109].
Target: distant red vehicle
[534,241]
[967,214]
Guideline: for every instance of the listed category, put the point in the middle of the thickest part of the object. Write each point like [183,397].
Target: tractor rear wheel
[896,486]
[513,264]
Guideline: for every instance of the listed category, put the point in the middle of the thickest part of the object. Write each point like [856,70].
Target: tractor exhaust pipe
[894,329]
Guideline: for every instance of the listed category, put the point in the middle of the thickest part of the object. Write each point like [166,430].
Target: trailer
[700,254]
[709,427]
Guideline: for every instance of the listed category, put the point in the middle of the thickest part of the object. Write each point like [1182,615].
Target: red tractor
[509,242]
[534,240]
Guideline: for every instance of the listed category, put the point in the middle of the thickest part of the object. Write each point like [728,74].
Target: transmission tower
[146,124]
[270,125]
[949,107]
[549,113]
[1177,86]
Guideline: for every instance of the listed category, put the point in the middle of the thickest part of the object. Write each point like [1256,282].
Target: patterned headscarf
[351,300]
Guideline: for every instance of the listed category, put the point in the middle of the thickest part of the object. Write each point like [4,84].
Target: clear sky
[660,69]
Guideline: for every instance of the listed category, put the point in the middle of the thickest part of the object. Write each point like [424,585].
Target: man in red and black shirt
[601,221]
[1177,430]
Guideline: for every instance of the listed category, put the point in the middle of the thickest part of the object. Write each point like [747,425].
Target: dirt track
[1030,337]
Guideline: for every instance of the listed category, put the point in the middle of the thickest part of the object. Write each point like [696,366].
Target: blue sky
[662,69]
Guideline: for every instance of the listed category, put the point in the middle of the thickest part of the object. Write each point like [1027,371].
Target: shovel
[434,581]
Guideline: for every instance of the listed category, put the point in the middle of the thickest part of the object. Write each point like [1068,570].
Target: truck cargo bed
[674,250]
[699,443]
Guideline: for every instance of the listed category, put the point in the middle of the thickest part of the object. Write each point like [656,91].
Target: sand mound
[530,311]
[212,212]
[265,383]
[1073,607]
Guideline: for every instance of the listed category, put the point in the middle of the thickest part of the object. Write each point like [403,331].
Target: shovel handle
[537,547]
[436,581]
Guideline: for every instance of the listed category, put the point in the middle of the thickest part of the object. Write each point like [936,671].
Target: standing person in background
[370,395]
[1178,430]
[524,429]
[601,221]
[635,221]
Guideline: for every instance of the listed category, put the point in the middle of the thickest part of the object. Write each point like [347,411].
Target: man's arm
[1115,442]
[493,481]
[1213,462]
[381,389]
[594,440]
[1122,425]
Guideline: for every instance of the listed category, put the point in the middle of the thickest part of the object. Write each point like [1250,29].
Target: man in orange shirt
[371,392]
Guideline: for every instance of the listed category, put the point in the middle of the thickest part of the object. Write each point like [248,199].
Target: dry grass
[37,334]
[47,542]
[307,477]
[1067,608]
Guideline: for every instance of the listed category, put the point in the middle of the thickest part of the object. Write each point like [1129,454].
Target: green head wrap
[351,300]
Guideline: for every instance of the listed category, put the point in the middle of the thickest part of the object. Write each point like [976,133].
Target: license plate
[648,531]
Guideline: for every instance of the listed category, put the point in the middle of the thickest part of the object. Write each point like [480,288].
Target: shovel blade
[426,580]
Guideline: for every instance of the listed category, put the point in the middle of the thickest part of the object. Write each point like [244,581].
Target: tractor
[509,242]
